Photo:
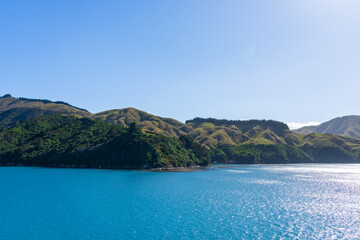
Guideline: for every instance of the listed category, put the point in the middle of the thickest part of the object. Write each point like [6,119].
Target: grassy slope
[13,110]
[265,145]
[165,126]
[314,144]
[309,148]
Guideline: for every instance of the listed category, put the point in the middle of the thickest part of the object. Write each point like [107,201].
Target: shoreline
[163,169]
[171,169]
[176,169]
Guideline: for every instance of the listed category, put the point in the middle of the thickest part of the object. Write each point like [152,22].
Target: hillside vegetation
[13,110]
[227,141]
[313,148]
[165,126]
[270,142]
[67,141]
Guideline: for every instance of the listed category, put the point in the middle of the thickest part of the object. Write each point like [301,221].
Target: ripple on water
[254,202]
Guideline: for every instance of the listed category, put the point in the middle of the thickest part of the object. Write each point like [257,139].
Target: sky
[287,60]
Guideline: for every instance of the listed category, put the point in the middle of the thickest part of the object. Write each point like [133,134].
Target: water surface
[236,202]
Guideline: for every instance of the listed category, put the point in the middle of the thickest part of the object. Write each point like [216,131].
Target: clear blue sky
[285,60]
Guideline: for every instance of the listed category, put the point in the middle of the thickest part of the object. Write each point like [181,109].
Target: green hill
[220,133]
[228,141]
[67,141]
[346,126]
[213,136]
[13,110]
[270,142]
[165,126]
[243,125]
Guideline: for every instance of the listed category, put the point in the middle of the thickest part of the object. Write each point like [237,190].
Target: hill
[215,133]
[243,125]
[312,148]
[261,141]
[165,126]
[67,141]
[13,110]
[345,126]
[228,141]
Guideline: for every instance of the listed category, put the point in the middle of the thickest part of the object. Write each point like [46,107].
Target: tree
[133,128]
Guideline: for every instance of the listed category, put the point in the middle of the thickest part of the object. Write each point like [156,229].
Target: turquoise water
[237,202]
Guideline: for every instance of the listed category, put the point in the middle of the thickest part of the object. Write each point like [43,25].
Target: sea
[302,201]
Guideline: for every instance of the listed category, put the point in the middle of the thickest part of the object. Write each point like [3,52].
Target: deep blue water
[237,202]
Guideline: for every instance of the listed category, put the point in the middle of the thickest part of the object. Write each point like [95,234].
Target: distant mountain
[345,126]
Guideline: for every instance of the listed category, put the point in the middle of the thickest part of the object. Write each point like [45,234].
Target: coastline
[162,169]
[176,169]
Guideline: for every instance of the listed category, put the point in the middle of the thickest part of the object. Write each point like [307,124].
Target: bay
[304,201]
